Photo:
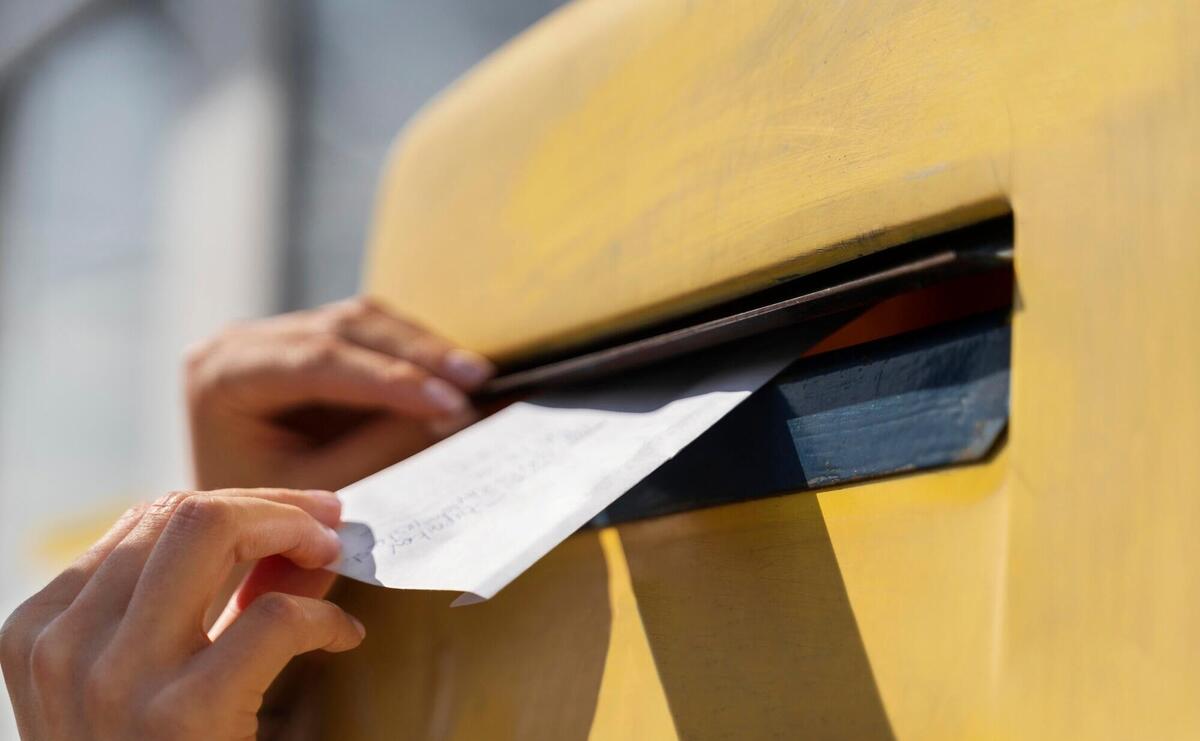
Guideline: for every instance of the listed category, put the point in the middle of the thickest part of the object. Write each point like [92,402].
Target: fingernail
[320,493]
[467,367]
[362,629]
[443,395]
[333,536]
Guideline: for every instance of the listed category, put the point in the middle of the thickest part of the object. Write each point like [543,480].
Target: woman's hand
[319,399]
[115,646]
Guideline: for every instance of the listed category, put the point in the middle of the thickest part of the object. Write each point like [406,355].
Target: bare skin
[318,399]
[115,647]
[119,646]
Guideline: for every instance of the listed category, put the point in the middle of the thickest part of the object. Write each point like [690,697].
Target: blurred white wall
[166,167]
[80,159]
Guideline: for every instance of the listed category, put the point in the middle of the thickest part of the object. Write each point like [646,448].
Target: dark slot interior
[918,401]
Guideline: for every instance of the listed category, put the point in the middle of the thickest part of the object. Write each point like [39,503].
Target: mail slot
[934,398]
[960,513]
[927,387]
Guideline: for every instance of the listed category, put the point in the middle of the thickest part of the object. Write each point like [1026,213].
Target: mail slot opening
[931,280]
[915,381]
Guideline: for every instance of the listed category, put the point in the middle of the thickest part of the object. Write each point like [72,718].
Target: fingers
[205,537]
[276,574]
[272,574]
[330,370]
[105,598]
[107,594]
[101,667]
[273,629]
[63,589]
[22,630]
[363,323]
[322,505]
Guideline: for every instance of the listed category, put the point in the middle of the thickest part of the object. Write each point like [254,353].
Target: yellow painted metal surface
[631,702]
[670,152]
[630,160]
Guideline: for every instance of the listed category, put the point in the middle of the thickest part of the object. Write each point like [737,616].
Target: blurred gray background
[165,168]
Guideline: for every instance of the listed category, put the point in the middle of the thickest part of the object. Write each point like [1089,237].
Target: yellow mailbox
[625,168]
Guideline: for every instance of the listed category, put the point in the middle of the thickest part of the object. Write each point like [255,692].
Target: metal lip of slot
[914,271]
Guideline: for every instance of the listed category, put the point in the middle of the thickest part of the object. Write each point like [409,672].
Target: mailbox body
[627,162]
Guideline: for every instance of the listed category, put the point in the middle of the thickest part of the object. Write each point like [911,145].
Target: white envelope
[474,511]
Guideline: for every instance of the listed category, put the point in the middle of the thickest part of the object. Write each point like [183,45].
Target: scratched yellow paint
[629,160]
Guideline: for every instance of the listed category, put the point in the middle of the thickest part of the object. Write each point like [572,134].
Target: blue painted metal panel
[930,399]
